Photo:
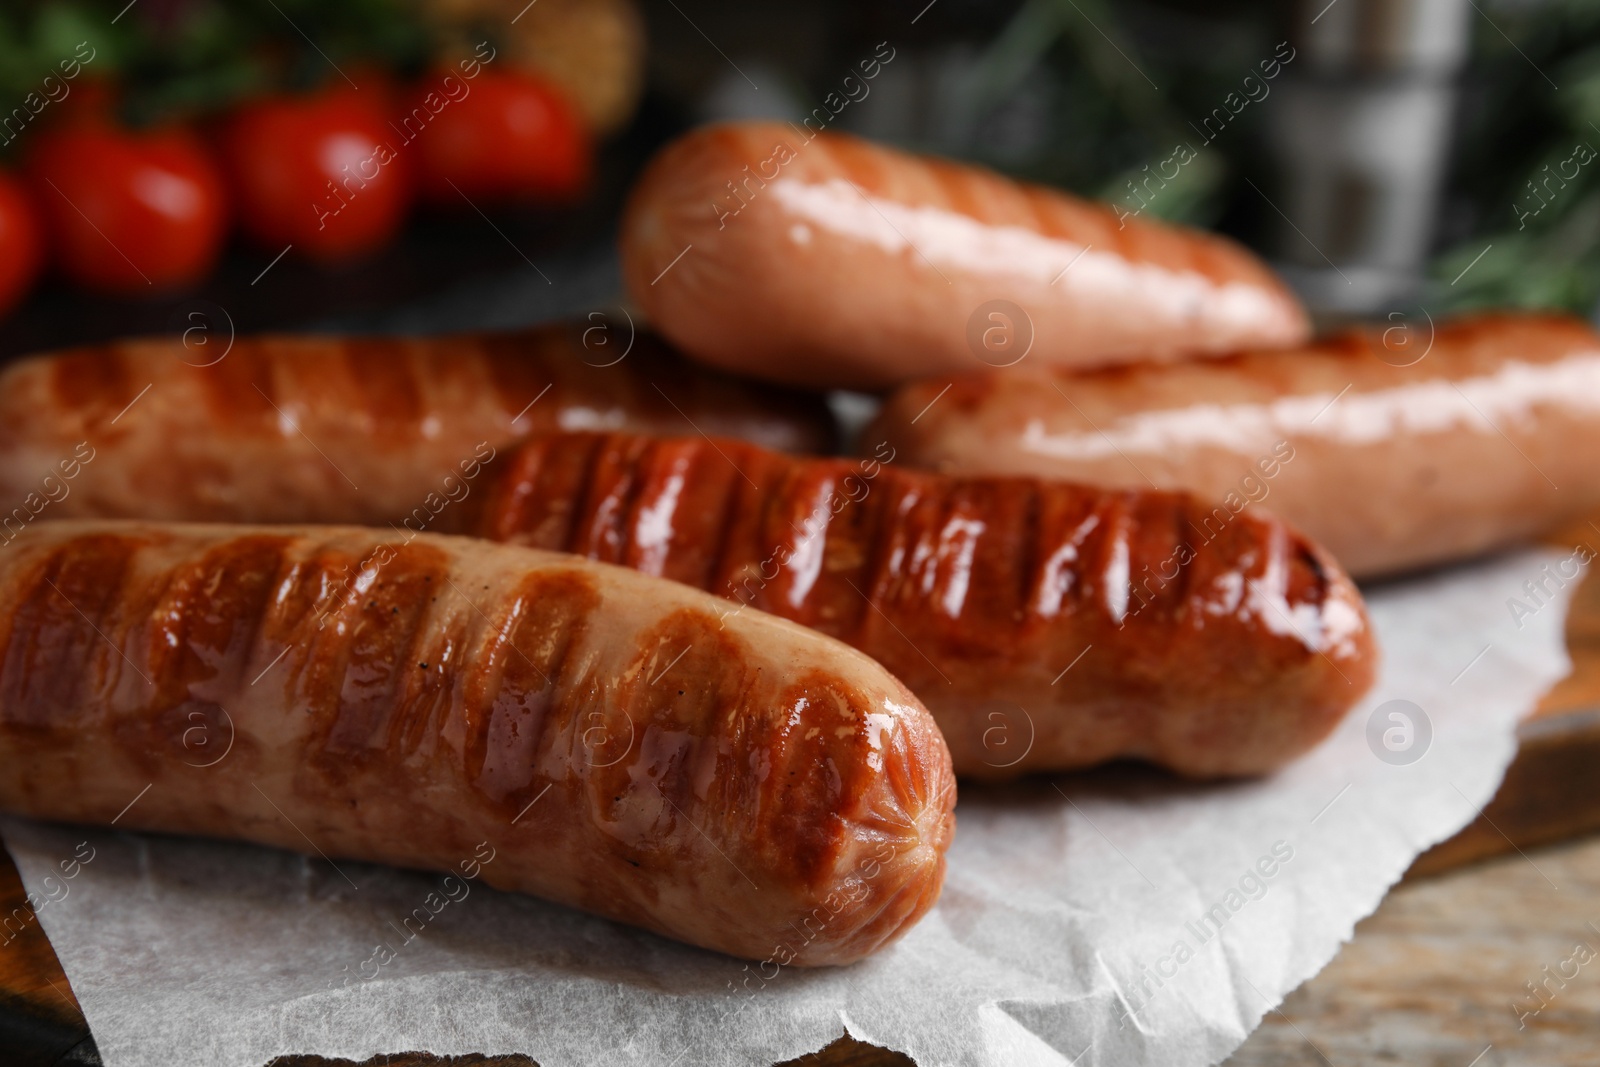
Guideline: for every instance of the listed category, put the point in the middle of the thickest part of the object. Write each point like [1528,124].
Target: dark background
[1082,94]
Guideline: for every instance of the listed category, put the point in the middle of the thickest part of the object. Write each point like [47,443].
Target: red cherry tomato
[21,245]
[506,136]
[129,211]
[323,173]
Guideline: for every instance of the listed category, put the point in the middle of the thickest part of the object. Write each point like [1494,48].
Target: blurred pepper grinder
[1361,137]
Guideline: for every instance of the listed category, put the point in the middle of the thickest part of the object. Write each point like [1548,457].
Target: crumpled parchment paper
[1119,917]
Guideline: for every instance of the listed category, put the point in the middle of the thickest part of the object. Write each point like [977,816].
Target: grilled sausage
[742,784]
[1391,453]
[1047,626]
[829,261]
[322,429]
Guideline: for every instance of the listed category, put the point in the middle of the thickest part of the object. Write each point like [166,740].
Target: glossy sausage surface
[835,262]
[327,429]
[1394,447]
[1047,626]
[742,784]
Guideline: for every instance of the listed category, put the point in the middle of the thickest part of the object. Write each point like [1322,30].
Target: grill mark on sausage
[816,779]
[546,495]
[205,624]
[241,389]
[979,549]
[954,537]
[201,630]
[304,603]
[879,592]
[364,655]
[834,605]
[610,514]
[651,361]
[1029,547]
[727,141]
[655,521]
[55,665]
[92,381]
[856,162]
[525,709]
[581,472]
[385,384]
[703,512]
[1307,561]
[1183,584]
[871,535]
[741,507]
[688,701]
[503,507]
[964,191]
[519,369]
[427,698]
[595,528]
[1047,217]
[518,504]
[1104,548]
[752,544]
[729,506]
[1153,539]
[1009,203]
[1210,258]
[796,522]
[1205,578]
[1001,561]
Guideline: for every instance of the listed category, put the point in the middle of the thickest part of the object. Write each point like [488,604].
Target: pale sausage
[1396,447]
[328,429]
[825,260]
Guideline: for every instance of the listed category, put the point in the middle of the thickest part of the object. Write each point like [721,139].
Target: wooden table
[1435,978]
[1429,979]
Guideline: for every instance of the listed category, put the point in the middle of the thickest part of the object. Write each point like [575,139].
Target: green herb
[189,58]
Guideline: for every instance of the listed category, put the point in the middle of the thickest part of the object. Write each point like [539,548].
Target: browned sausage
[323,429]
[602,737]
[1394,447]
[836,262]
[1046,625]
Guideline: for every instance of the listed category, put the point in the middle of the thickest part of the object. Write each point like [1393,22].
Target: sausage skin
[825,260]
[324,429]
[746,785]
[1047,626]
[1483,439]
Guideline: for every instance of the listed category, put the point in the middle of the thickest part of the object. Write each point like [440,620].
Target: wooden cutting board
[1549,794]
[1551,791]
